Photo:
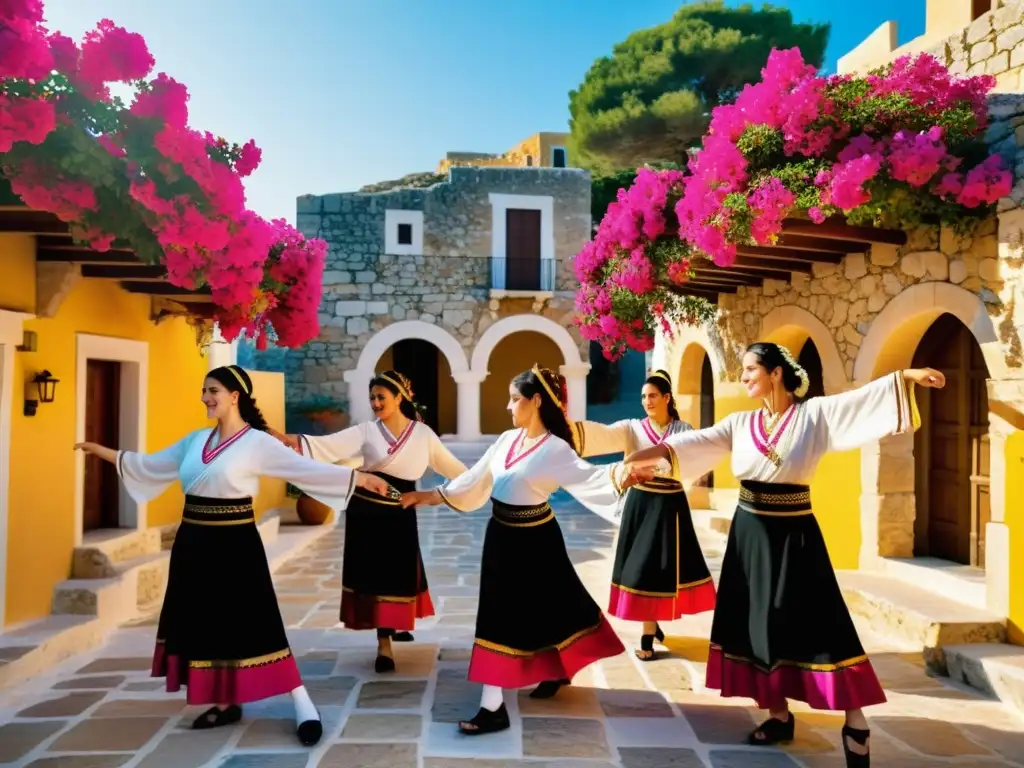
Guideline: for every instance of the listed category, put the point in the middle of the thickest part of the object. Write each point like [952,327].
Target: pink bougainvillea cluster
[900,147]
[140,177]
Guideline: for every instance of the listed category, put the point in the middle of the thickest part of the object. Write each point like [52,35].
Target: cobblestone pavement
[101,710]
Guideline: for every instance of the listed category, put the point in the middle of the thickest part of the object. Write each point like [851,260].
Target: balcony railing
[523,274]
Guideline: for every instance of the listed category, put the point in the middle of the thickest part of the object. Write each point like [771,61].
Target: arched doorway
[512,355]
[810,361]
[951,450]
[431,375]
[695,394]
[707,408]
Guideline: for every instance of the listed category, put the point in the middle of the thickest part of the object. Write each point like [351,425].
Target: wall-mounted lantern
[46,387]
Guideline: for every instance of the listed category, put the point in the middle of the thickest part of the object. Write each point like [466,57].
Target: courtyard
[101,709]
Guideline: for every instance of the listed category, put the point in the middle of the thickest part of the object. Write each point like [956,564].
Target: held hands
[637,475]
[925,377]
[91,448]
[414,498]
[647,457]
[292,441]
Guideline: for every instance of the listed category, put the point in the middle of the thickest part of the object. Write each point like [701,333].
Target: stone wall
[992,45]
[366,289]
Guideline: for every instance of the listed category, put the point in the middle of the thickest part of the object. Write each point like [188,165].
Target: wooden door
[707,407]
[522,250]
[102,425]
[951,449]
[417,359]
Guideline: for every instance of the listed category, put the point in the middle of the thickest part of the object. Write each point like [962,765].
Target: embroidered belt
[373,498]
[660,485]
[521,517]
[200,510]
[775,499]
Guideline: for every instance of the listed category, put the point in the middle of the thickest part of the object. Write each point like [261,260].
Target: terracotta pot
[311,511]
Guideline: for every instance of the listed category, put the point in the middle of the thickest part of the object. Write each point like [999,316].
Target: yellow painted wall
[513,355]
[268,388]
[1015,526]
[18,267]
[41,502]
[724,406]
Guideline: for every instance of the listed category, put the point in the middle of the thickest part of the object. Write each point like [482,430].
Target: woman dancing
[660,573]
[536,622]
[384,585]
[781,629]
[220,632]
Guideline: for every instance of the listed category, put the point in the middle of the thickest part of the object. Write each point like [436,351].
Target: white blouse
[407,456]
[528,477]
[804,433]
[625,436]
[232,470]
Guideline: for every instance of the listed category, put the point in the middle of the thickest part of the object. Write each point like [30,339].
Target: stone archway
[792,327]
[358,379]
[574,369]
[888,469]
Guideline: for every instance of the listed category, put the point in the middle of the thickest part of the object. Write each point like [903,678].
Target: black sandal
[646,650]
[659,635]
[309,732]
[215,717]
[383,664]
[486,721]
[773,731]
[402,637]
[548,688]
[853,759]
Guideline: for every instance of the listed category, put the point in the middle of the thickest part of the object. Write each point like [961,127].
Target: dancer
[384,584]
[536,622]
[660,573]
[781,629]
[220,632]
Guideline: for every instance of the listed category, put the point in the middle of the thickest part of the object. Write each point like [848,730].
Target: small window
[558,157]
[405,234]
[529,160]
[979,8]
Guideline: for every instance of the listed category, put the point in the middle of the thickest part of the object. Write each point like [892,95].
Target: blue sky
[341,93]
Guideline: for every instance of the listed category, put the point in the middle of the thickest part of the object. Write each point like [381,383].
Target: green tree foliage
[652,98]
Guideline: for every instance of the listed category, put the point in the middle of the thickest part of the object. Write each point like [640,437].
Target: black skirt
[535,620]
[782,629]
[659,573]
[220,632]
[384,584]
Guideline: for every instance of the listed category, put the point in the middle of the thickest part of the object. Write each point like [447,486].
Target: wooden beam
[86,257]
[837,229]
[201,296]
[771,251]
[713,285]
[778,268]
[140,272]
[762,273]
[726,276]
[24,225]
[824,244]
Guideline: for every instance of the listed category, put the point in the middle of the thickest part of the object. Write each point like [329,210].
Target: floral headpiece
[805,380]
[402,384]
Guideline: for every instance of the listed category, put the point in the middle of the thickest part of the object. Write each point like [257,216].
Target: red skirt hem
[849,687]
[513,670]
[689,600]
[226,685]
[362,611]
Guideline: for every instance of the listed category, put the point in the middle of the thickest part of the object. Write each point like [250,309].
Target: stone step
[101,551]
[712,520]
[923,619]
[36,647]
[996,669]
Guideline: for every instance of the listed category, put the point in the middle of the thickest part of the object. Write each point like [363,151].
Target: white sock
[305,709]
[492,698]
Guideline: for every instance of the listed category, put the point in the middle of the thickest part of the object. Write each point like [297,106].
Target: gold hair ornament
[539,373]
[241,381]
[402,390]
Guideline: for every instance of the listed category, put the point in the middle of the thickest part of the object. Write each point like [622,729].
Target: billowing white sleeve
[697,451]
[471,489]
[864,415]
[335,447]
[596,439]
[597,487]
[332,485]
[147,475]
[441,460]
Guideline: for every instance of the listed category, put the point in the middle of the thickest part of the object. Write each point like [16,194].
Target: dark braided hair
[235,379]
[552,413]
[772,356]
[394,382]
[662,382]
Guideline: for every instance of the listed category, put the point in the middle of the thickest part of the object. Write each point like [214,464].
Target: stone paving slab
[101,709]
